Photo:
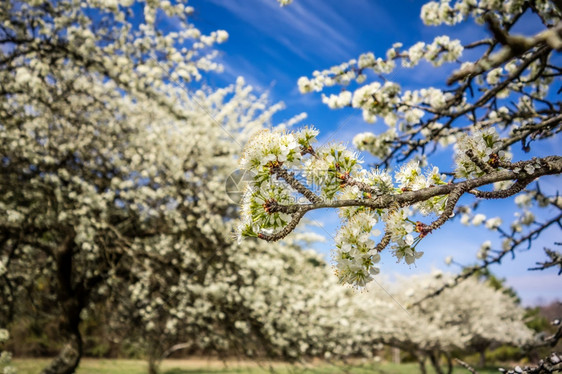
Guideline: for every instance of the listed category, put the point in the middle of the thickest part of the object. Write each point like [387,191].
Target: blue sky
[271,47]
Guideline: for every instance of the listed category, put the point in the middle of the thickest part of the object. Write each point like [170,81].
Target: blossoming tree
[458,319]
[504,98]
[112,173]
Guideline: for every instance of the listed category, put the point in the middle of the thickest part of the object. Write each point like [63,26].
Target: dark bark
[153,366]
[68,358]
[154,358]
[420,357]
[71,301]
[421,363]
[482,361]
[434,357]
[449,363]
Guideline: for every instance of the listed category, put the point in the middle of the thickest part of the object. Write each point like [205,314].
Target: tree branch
[293,182]
[550,165]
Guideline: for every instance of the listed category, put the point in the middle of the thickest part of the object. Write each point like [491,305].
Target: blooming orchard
[113,173]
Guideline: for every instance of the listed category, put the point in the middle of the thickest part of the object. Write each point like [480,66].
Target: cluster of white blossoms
[467,218]
[356,253]
[442,49]
[254,215]
[385,100]
[266,150]
[332,173]
[435,97]
[402,230]
[338,101]
[435,13]
[444,12]
[376,144]
[485,146]
[484,250]
[275,147]
[325,168]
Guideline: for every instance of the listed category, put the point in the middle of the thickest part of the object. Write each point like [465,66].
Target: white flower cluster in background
[468,313]
[297,305]
[457,319]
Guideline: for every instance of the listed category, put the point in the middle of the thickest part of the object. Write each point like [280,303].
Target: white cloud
[238,66]
[307,30]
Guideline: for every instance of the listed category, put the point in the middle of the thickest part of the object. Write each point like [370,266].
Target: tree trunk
[420,357]
[396,355]
[435,362]
[154,354]
[449,363]
[482,361]
[71,302]
[68,358]
[421,362]
[153,365]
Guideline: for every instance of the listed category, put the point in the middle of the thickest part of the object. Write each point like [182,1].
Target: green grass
[99,366]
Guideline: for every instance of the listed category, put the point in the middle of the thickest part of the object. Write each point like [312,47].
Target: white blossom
[493,223]
[478,219]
